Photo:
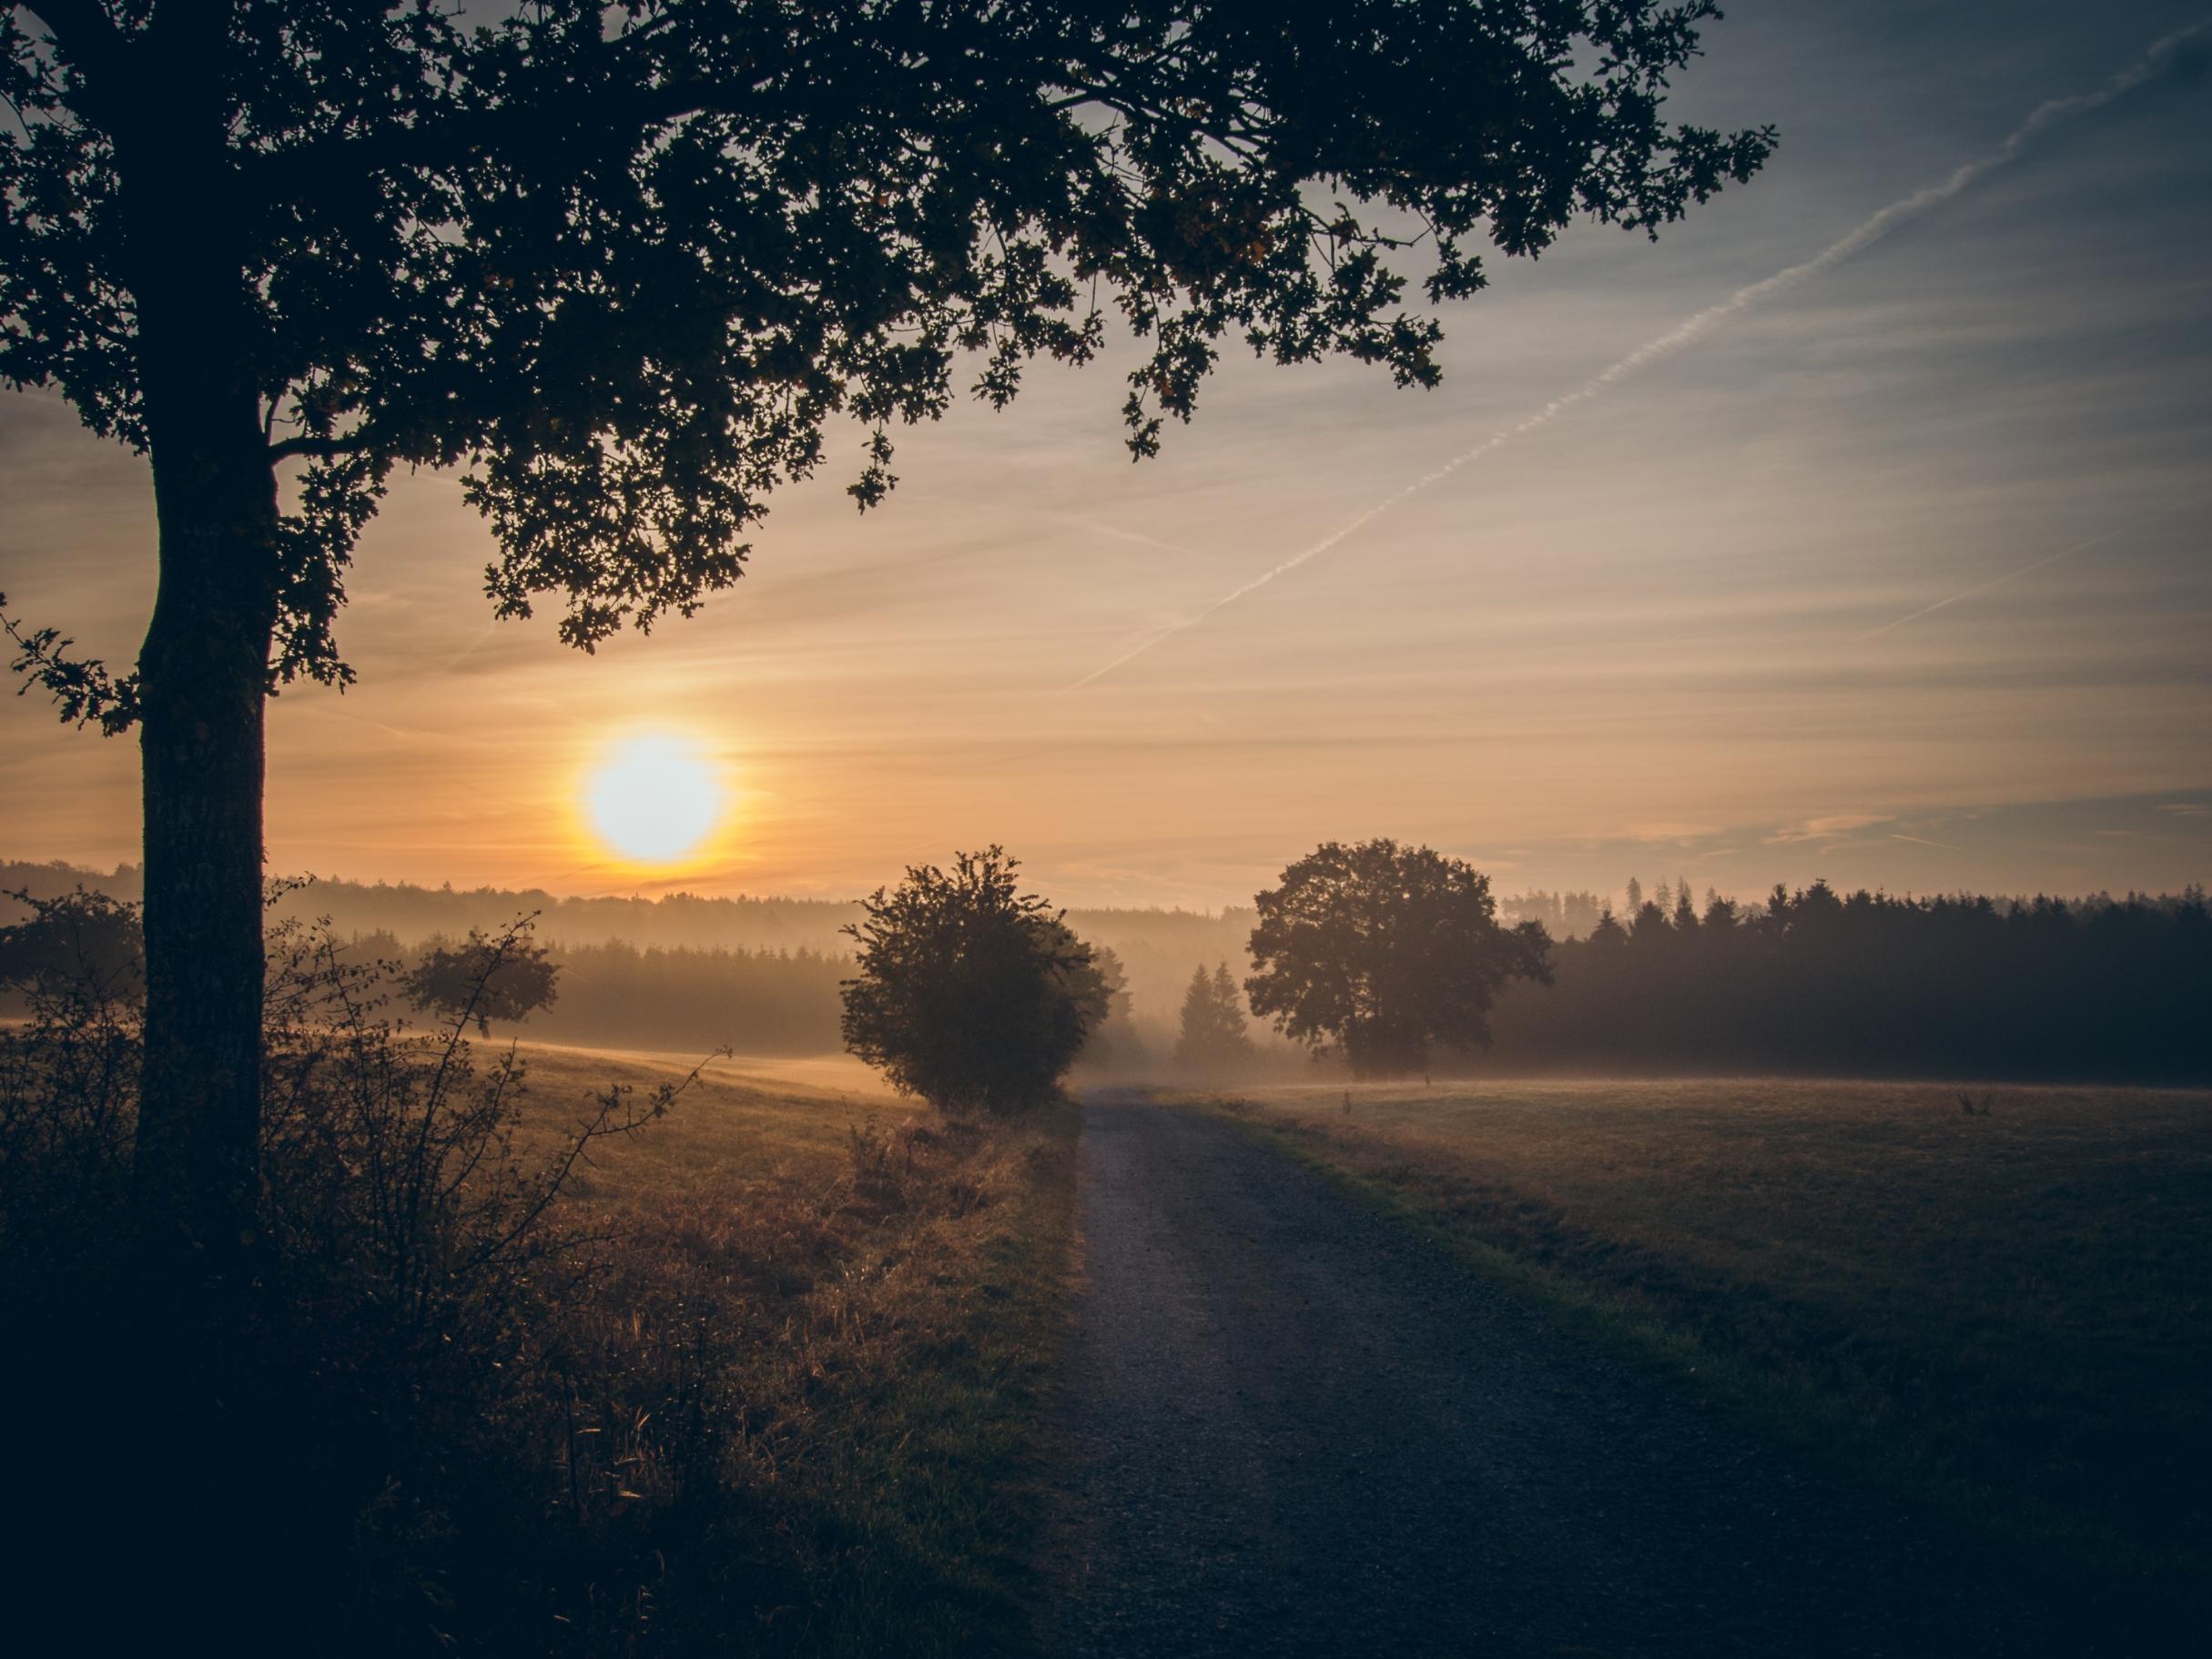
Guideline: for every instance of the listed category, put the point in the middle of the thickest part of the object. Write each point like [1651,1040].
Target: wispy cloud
[1995,582]
[1862,235]
[1823,829]
[1668,832]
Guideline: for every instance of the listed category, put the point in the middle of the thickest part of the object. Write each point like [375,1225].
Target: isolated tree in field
[625,268]
[1384,952]
[1213,1037]
[86,938]
[969,992]
[505,977]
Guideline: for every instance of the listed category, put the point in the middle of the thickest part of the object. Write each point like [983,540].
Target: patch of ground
[1292,1425]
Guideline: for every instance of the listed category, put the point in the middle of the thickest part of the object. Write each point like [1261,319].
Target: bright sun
[652,799]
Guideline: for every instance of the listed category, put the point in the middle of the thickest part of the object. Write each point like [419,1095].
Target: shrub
[401,1350]
[969,992]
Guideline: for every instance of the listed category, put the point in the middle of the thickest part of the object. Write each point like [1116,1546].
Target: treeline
[619,996]
[406,911]
[1157,948]
[623,995]
[1813,982]
[1563,916]
[1821,983]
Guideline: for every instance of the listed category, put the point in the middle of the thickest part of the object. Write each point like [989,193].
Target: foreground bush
[492,1396]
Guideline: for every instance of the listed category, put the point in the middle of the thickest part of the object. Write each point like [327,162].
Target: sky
[1897,578]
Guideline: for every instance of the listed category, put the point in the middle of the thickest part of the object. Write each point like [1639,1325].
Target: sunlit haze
[1895,577]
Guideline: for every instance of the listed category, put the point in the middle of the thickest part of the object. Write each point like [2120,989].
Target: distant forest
[679,998]
[1157,948]
[1815,982]
[1811,982]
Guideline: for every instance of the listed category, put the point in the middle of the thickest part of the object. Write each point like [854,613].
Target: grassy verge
[766,1387]
[806,1372]
[2000,1318]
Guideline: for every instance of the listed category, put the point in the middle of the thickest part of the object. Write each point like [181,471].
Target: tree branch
[83,688]
[82,28]
[90,41]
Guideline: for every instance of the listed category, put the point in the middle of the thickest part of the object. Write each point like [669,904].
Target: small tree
[485,979]
[88,942]
[1383,951]
[1213,1036]
[970,994]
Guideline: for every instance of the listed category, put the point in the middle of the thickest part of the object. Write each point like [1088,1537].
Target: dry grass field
[2002,1315]
[805,1366]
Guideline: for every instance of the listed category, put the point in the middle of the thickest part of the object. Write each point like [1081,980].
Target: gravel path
[1293,1427]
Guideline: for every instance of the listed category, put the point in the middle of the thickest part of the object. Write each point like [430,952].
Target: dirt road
[1291,1426]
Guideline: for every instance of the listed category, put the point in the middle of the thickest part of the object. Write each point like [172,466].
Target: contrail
[1868,230]
[2064,552]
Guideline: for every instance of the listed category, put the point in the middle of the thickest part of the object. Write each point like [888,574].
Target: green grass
[2003,1318]
[813,1352]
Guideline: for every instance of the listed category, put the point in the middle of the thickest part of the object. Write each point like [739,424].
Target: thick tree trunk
[204,678]
[203,673]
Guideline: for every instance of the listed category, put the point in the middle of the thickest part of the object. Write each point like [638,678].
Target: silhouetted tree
[1636,896]
[502,976]
[1229,998]
[1213,1037]
[84,937]
[1384,951]
[623,266]
[968,993]
[1685,909]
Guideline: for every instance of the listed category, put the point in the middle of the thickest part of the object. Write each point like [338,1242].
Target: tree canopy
[1383,952]
[967,992]
[623,266]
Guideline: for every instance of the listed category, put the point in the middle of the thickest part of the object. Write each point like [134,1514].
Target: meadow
[766,1387]
[816,1328]
[1999,1314]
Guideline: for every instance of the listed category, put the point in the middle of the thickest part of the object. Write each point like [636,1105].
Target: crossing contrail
[2064,552]
[1868,231]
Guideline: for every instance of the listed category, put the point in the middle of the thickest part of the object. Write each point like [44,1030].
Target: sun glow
[653,798]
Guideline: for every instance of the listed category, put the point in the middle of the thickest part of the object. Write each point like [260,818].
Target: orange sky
[1635,639]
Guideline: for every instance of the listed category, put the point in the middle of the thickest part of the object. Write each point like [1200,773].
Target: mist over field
[2093,989]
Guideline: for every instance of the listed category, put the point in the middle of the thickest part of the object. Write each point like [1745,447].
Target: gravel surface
[1291,1426]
